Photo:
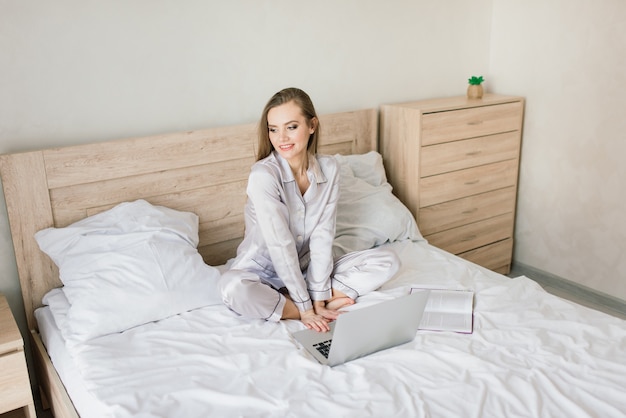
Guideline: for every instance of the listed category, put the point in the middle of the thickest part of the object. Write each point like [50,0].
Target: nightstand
[15,389]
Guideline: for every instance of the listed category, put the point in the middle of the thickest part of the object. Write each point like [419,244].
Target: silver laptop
[364,331]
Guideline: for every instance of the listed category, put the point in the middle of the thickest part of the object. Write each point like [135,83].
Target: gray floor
[572,292]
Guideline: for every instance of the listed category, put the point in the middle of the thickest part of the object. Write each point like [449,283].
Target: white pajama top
[289,236]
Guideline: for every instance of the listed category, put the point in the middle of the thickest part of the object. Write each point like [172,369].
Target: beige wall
[568,57]
[73,71]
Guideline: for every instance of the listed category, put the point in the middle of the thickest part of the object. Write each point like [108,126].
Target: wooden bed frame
[202,171]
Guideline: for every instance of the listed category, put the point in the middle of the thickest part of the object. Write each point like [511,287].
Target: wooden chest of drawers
[454,163]
[15,391]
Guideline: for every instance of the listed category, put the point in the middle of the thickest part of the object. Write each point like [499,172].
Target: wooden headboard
[202,171]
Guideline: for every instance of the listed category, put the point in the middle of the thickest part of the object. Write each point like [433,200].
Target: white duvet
[531,355]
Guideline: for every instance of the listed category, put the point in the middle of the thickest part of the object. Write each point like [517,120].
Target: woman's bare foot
[339,302]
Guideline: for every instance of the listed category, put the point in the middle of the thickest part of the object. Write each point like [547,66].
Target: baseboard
[589,294]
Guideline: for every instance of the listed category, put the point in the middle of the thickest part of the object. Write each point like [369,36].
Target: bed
[530,353]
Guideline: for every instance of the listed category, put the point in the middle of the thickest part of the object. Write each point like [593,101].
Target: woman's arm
[322,237]
[272,214]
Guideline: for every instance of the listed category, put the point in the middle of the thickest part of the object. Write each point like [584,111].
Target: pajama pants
[354,274]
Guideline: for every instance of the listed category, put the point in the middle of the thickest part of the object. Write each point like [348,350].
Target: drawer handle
[473,153]
[471,183]
[474,123]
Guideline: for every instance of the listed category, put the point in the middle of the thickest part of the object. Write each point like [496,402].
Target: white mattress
[531,354]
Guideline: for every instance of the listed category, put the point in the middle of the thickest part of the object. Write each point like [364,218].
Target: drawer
[468,182]
[453,125]
[14,382]
[458,155]
[495,256]
[447,215]
[471,236]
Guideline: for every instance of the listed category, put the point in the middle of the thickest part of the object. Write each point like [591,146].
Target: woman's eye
[272,130]
[292,127]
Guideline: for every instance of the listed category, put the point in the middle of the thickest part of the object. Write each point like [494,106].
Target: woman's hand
[322,313]
[314,321]
[321,309]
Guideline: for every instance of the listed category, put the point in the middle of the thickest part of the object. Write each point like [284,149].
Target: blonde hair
[303,101]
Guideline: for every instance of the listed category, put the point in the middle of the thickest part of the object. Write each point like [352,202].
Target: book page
[448,310]
[441,300]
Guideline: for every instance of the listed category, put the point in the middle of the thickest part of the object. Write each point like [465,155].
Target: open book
[448,310]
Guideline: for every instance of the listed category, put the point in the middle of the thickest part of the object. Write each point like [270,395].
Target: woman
[284,267]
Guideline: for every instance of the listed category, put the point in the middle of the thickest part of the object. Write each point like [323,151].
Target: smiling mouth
[285,147]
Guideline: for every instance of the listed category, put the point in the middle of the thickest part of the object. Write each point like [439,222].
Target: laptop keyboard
[323,347]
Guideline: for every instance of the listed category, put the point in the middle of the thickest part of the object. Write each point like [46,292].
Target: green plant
[475,81]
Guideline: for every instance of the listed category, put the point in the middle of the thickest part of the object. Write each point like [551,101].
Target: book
[448,310]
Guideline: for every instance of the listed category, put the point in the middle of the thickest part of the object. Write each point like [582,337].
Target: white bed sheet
[531,354]
[64,364]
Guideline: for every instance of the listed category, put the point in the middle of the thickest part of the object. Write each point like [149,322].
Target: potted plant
[475,88]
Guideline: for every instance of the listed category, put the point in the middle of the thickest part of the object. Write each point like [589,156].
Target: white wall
[568,57]
[78,71]
[75,71]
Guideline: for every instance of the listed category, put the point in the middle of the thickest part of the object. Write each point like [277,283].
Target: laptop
[367,330]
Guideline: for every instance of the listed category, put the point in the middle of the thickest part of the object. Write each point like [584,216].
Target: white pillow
[368,167]
[130,265]
[368,214]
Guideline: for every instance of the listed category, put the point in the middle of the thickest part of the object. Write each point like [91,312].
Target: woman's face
[289,131]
